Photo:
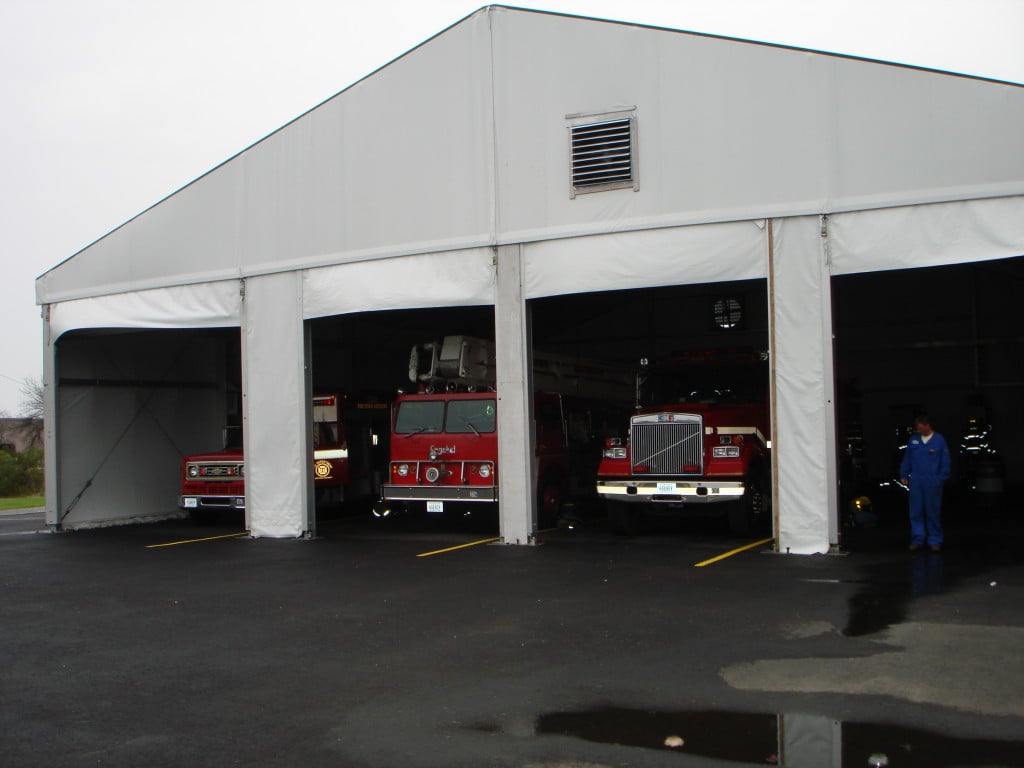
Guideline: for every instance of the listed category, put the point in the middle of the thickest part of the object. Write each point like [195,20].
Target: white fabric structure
[400,191]
[277,411]
[803,411]
[446,279]
[646,258]
[207,305]
[130,405]
[926,235]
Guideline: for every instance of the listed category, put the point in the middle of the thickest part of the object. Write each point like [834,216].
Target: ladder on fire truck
[466,363]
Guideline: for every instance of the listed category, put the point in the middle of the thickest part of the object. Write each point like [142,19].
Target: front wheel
[752,513]
[549,502]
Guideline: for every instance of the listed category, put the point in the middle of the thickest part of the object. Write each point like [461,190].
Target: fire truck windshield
[431,416]
[417,416]
[470,416]
[325,434]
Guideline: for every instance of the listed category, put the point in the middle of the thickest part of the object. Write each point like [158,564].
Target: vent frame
[622,119]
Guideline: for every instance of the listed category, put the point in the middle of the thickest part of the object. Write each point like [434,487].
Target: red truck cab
[443,448]
[698,443]
[215,482]
[444,440]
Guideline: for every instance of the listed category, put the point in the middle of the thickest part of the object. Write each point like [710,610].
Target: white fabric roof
[462,143]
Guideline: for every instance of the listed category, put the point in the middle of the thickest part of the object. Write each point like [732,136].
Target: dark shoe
[936,548]
[914,547]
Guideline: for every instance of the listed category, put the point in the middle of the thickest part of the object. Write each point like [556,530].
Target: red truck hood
[718,414]
[231,454]
[447,447]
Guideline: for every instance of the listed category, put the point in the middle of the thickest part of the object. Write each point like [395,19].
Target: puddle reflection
[927,573]
[884,596]
[791,740]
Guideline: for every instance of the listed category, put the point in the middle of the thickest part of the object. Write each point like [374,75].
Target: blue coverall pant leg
[926,511]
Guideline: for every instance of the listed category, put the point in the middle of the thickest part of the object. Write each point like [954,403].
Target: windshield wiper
[419,431]
[469,424]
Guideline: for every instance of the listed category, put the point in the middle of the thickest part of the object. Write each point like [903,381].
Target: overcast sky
[110,105]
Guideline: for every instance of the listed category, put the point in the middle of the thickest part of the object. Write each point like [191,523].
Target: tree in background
[32,410]
[6,436]
[21,474]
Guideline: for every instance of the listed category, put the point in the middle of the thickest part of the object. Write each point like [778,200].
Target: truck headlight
[485,470]
[615,452]
[726,452]
[193,470]
[402,470]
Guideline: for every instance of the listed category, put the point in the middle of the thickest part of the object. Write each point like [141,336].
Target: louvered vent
[602,155]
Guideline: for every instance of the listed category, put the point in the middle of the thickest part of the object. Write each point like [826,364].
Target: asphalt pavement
[171,645]
[20,521]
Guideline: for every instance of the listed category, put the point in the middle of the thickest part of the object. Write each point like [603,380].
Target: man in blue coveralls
[925,468]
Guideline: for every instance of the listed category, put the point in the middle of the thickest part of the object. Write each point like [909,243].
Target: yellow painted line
[194,541]
[736,551]
[460,546]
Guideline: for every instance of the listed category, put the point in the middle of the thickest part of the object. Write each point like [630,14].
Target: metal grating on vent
[602,155]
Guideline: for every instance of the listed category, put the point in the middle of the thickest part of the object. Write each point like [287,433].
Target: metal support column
[803,407]
[51,459]
[276,408]
[517,468]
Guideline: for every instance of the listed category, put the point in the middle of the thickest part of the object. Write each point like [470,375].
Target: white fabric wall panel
[278,448]
[116,452]
[449,279]
[927,235]
[900,136]
[645,258]
[128,407]
[804,450]
[718,138]
[204,305]
[729,130]
[399,163]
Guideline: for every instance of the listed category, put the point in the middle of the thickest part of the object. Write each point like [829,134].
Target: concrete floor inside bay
[588,650]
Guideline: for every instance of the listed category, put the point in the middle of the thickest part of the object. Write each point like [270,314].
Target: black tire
[752,513]
[549,502]
[623,519]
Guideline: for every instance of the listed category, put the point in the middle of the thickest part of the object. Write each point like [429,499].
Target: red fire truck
[698,443]
[444,441]
[215,482]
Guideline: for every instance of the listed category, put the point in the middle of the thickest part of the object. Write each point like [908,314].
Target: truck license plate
[666,487]
[191,503]
[435,506]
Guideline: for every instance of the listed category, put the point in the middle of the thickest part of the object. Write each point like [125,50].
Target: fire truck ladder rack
[465,363]
[456,363]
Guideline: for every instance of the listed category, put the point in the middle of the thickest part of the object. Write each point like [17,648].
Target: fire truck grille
[668,448]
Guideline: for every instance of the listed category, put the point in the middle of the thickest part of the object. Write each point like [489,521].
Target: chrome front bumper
[211,502]
[669,491]
[439,493]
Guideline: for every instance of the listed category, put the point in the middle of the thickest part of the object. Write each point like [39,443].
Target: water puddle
[883,599]
[791,740]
